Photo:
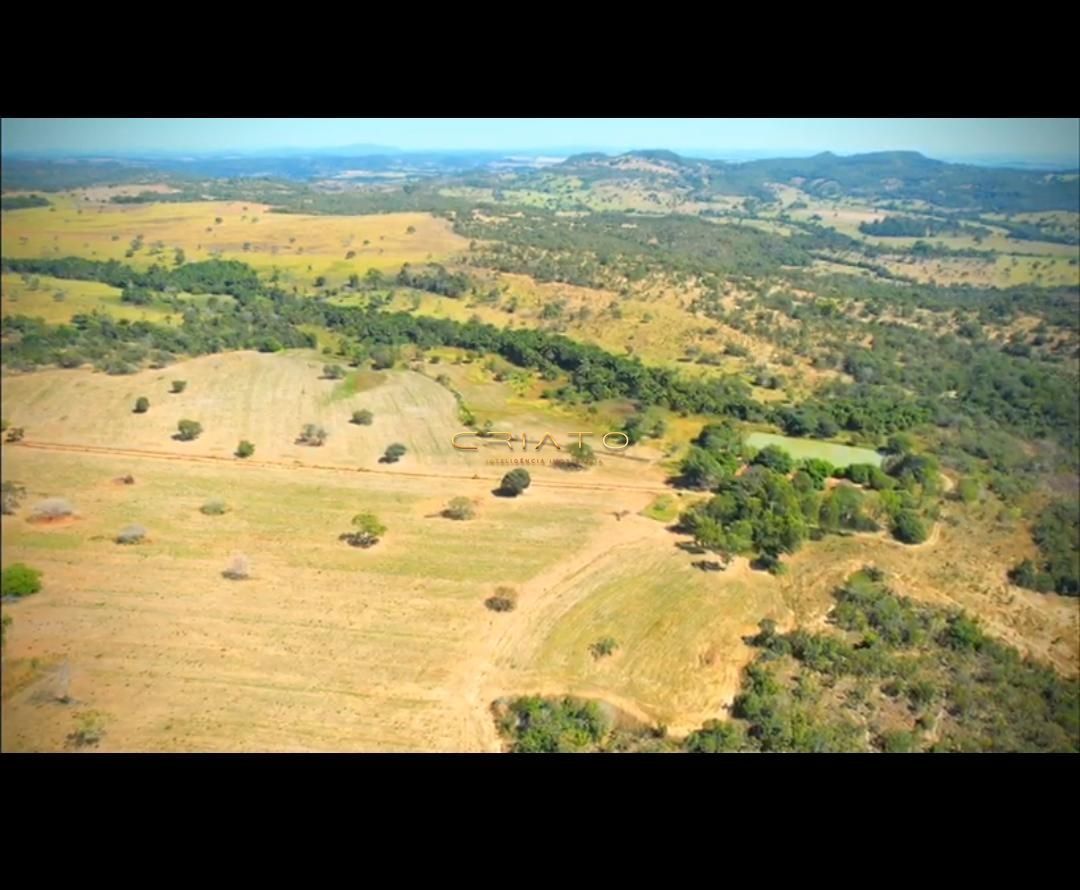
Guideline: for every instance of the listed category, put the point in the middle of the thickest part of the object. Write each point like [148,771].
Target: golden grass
[79,297]
[300,247]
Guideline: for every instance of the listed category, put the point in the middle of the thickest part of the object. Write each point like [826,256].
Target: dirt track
[301,465]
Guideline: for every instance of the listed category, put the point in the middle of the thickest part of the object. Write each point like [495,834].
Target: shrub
[52,508]
[393,453]
[515,482]
[238,569]
[10,493]
[4,624]
[133,534]
[459,508]
[582,455]
[382,357]
[333,372]
[88,732]
[187,430]
[19,580]
[312,434]
[775,458]
[504,600]
[968,490]
[245,448]
[142,405]
[15,434]
[909,528]
[363,417]
[603,647]
[179,385]
[898,742]
[213,507]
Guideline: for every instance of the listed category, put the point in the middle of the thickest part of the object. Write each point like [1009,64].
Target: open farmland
[241,401]
[300,247]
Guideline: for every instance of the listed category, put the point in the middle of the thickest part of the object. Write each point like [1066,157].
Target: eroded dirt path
[488,673]
[655,488]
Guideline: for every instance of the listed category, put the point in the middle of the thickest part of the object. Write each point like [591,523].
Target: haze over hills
[880,175]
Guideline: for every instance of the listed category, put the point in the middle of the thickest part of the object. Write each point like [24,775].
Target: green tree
[775,458]
[367,530]
[245,449]
[818,470]
[393,453]
[515,482]
[142,405]
[704,469]
[188,430]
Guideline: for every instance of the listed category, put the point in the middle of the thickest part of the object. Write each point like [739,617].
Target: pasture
[299,247]
[327,647]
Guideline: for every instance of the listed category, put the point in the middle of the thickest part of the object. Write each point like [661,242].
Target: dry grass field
[300,247]
[331,648]
[326,647]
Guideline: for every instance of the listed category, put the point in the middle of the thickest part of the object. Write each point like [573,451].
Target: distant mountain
[875,176]
[884,175]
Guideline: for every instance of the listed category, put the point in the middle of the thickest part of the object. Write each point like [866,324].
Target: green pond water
[837,455]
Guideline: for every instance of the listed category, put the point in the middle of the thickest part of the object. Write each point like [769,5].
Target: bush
[213,507]
[333,372]
[909,528]
[312,434]
[515,482]
[15,434]
[239,568]
[52,508]
[187,430]
[142,405]
[10,493]
[968,490]
[245,448]
[504,600]
[459,508]
[898,742]
[393,454]
[179,385]
[775,458]
[382,357]
[4,624]
[603,647]
[133,534]
[363,417]
[582,455]
[19,580]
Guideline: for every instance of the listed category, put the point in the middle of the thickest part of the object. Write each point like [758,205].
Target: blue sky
[1034,138]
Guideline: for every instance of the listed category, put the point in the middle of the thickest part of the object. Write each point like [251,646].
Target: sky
[1022,138]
